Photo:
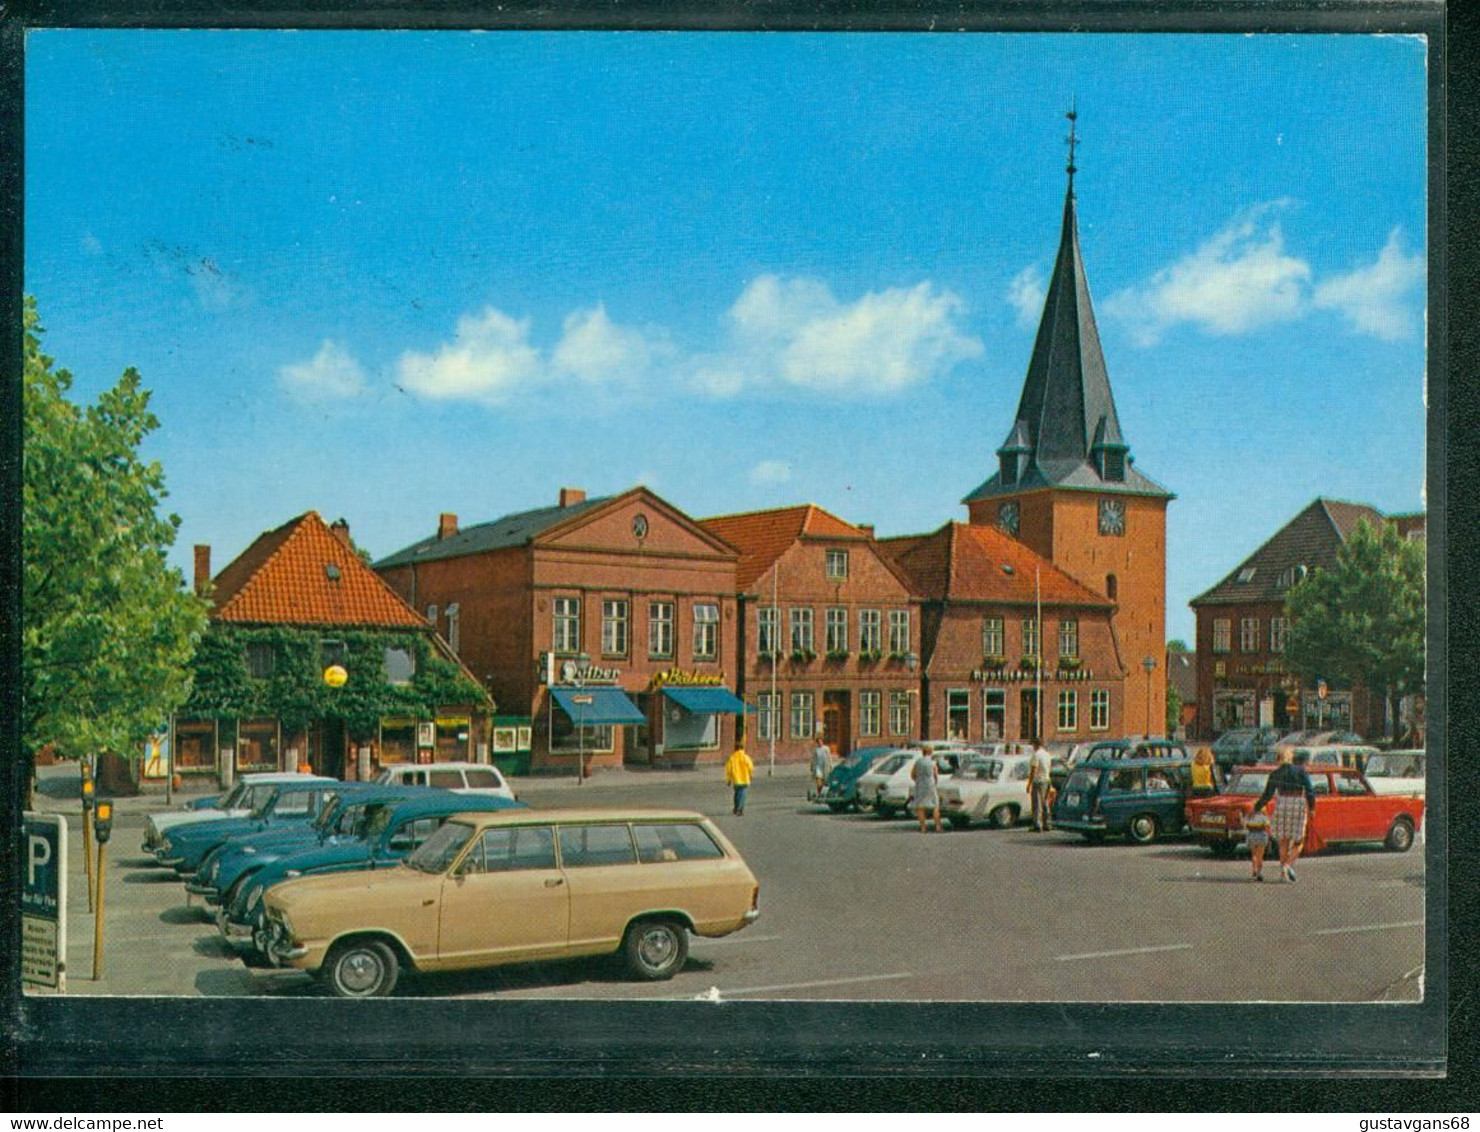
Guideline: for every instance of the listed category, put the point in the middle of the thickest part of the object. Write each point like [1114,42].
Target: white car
[246,794]
[991,788]
[460,778]
[890,787]
[1396,772]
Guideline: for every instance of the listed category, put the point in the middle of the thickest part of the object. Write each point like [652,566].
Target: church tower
[1066,484]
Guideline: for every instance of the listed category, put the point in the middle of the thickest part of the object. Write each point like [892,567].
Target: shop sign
[1269,668]
[682,678]
[451,721]
[584,672]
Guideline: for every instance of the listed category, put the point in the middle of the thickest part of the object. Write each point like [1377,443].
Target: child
[1256,833]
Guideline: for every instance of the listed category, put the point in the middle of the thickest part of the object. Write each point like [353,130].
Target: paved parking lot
[857,908]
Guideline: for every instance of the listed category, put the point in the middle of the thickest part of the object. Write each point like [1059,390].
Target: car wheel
[1003,817]
[1400,836]
[655,949]
[361,968]
[1142,829]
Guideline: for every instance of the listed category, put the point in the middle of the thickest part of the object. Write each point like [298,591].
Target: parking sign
[44,901]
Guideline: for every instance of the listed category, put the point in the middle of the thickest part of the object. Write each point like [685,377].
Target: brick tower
[1067,486]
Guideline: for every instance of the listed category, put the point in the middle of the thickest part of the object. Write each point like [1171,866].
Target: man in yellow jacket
[737,774]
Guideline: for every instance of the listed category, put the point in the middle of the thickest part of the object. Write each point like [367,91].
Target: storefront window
[397,741]
[454,738]
[195,745]
[958,714]
[994,711]
[257,745]
[568,739]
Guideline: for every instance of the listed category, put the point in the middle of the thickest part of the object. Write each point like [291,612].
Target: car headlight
[294,873]
[166,844]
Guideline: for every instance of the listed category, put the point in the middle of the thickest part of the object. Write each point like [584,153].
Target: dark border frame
[779,1054]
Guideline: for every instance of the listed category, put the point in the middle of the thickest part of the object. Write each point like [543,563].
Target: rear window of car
[1082,781]
[672,842]
[447,779]
[582,846]
[483,778]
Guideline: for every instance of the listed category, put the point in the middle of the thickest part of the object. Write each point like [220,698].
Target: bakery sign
[682,678]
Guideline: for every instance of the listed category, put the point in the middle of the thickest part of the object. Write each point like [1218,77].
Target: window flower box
[994,662]
[837,654]
[1030,663]
[1069,663]
[803,656]
[869,656]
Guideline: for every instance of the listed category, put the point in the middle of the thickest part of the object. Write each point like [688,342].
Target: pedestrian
[926,776]
[1204,774]
[821,767]
[1256,834]
[1039,783]
[1294,801]
[737,775]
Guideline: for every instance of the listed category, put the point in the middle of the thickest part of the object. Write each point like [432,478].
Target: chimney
[340,530]
[202,568]
[866,528]
[446,525]
[570,496]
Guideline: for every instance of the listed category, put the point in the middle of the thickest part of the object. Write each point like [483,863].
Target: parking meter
[103,821]
[103,828]
[87,795]
[87,824]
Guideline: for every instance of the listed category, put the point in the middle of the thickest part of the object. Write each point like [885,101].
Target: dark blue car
[388,835]
[1142,798]
[184,847]
[840,792]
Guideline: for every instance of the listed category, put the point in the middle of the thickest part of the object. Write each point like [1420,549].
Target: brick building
[1242,680]
[606,627]
[1008,637]
[829,633]
[1067,487]
[295,603]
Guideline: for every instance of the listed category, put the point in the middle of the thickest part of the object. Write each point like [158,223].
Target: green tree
[1362,621]
[108,627]
[1177,645]
[1174,708]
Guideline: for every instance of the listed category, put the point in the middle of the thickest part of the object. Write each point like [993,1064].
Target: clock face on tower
[1007,517]
[1112,516]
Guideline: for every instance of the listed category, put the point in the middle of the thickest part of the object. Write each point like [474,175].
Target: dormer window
[1113,469]
[1246,575]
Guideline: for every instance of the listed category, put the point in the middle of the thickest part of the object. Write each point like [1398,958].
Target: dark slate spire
[1066,432]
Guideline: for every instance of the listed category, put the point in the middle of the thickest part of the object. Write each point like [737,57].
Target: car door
[1360,815]
[606,881]
[505,900]
[1122,796]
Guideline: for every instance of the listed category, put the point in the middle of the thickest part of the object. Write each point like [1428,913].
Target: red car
[1347,811]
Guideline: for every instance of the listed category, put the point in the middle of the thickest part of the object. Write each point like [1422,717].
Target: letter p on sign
[38,856]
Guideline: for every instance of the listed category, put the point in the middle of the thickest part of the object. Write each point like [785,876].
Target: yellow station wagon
[515,886]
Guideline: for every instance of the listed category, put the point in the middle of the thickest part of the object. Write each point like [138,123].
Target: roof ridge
[296,525]
[757,511]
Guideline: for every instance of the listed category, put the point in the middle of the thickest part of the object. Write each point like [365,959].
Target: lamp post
[1149,664]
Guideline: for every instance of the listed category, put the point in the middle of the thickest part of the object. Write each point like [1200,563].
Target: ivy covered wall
[295,692]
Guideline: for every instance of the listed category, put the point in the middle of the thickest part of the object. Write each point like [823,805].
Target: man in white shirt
[821,767]
[1038,786]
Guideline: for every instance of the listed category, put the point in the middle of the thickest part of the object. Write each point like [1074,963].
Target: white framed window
[836,629]
[802,639]
[1069,638]
[994,713]
[1068,709]
[1030,637]
[660,629]
[803,716]
[837,565]
[566,633]
[454,627]
[614,627]
[958,714]
[994,641]
[899,631]
[706,631]
[1248,634]
[1222,634]
[768,705]
[1278,627]
[1099,710]
[899,713]
[765,624]
[870,630]
[870,713]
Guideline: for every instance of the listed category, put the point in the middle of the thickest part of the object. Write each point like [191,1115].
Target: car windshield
[229,799]
[1107,751]
[862,758]
[1082,781]
[1250,783]
[438,850]
[349,821]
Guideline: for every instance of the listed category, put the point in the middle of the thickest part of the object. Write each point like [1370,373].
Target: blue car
[1141,798]
[186,846]
[243,855]
[840,792]
[389,833]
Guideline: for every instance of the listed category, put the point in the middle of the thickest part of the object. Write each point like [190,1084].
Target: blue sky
[384,275]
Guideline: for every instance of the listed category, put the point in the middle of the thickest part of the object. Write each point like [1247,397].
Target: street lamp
[1149,664]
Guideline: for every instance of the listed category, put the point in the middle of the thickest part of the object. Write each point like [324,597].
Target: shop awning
[597,705]
[702,701]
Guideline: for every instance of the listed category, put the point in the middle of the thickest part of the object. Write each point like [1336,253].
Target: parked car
[564,884]
[989,788]
[1397,772]
[1317,738]
[186,846]
[841,790]
[890,788]
[1347,811]
[460,778]
[1152,748]
[1143,798]
[1334,754]
[386,834]
[1244,745]
[246,794]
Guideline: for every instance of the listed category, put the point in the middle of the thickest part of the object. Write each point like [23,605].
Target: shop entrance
[837,719]
[1028,716]
[326,747]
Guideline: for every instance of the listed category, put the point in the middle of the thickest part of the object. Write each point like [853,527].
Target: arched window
[1112,587]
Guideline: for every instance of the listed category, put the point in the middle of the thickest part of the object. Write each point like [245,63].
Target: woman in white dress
[927,797]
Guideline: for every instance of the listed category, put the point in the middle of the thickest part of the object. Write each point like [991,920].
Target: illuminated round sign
[335,676]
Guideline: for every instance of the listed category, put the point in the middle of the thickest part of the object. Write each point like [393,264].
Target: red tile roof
[969,562]
[761,537]
[283,579]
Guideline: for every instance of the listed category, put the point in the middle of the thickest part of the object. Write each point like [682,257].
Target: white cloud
[596,350]
[332,374]
[489,360]
[1026,293]
[1239,280]
[1373,298]
[770,472]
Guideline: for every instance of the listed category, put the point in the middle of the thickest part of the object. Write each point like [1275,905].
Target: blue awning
[702,701]
[597,705]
